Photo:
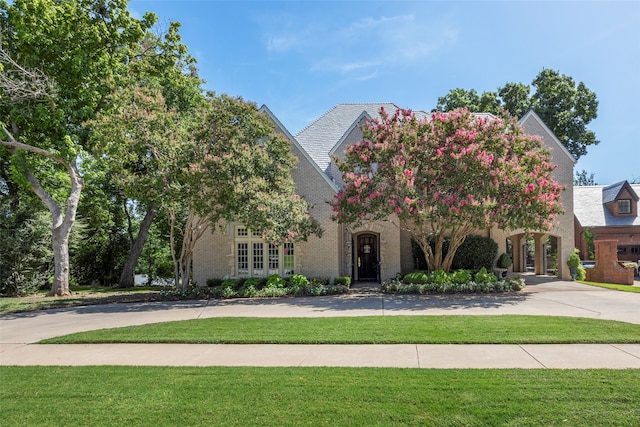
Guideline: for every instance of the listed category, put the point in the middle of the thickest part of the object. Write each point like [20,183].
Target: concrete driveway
[541,296]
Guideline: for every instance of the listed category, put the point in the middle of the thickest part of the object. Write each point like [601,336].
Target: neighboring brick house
[377,250]
[610,213]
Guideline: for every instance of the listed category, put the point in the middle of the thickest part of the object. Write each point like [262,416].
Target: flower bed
[460,281]
[272,286]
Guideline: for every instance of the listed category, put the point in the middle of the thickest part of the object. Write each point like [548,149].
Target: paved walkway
[20,332]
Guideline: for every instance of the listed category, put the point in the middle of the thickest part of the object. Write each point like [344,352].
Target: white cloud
[362,48]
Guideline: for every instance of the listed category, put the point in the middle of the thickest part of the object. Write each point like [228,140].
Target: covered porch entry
[536,253]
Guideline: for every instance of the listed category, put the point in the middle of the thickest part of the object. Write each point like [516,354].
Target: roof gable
[531,118]
[264,109]
[611,193]
[321,136]
[590,210]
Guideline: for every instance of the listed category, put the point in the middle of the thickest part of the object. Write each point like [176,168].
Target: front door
[367,257]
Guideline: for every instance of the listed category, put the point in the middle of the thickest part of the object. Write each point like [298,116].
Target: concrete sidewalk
[19,332]
[446,356]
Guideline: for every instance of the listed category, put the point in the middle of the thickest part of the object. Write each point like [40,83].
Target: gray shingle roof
[589,209]
[321,136]
[610,193]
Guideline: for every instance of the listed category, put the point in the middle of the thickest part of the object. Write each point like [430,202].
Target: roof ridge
[316,120]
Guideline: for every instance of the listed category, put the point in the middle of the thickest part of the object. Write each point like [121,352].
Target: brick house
[609,213]
[377,250]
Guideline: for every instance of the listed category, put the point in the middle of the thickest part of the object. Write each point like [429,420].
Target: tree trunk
[61,223]
[127,277]
[60,245]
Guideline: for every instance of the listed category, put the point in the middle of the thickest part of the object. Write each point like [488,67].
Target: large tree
[82,46]
[447,176]
[161,61]
[224,163]
[566,107]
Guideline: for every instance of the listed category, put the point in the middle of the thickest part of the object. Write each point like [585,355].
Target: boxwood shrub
[456,282]
[474,253]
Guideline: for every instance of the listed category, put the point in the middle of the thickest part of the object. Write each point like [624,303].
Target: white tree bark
[62,220]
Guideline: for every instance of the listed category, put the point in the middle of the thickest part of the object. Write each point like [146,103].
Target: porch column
[540,254]
[518,261]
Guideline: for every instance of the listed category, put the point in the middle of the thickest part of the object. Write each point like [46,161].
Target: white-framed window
[256,258]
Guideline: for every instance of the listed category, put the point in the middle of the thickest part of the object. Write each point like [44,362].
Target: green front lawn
[167,396]
[625,288]
[81,296]
[503,329]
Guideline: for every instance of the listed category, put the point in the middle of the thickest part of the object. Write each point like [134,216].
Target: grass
[152,396]
[503,329]
[625,288]
[81,296]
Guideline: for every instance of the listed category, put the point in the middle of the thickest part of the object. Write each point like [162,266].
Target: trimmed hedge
[460,281]
[474,253]
[272,286]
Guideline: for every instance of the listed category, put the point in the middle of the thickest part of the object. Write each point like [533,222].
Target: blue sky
[302,57]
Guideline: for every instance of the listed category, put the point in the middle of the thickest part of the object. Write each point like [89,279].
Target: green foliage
[583,178]
[320,281]
[273,286]
[25,244]
[246,396]
[474,253]
[299,281]
[214,282]
[581,273]
[573,261]
[432,174]
[275,281]
[342,281]
[460,276]
[566,108]
[231,284]
[415,277]
[171,161]
[504,261]
[589,238]
[457,282]
[484,276]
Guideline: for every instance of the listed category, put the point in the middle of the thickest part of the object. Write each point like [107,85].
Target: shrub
[504,261]
[298,281]
[214,282]
[342,281]
[320,281]
[447,286]
[581,274]
[418,277]
[573,261]
[460,276]
[248,289]
[438,277]
[230,284]
[484,276]
[474,253]
[252,281]
[275,281]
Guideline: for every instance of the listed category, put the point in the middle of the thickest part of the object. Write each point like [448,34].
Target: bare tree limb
[21,84]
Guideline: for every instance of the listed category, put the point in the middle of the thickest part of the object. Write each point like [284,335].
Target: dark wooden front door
[367,257]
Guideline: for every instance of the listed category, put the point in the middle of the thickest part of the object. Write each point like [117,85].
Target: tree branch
[21,83]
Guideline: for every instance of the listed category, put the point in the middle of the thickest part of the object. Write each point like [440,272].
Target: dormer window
[624,206]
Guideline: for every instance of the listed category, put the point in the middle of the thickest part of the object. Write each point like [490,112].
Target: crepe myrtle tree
[447,175]
[221,163]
